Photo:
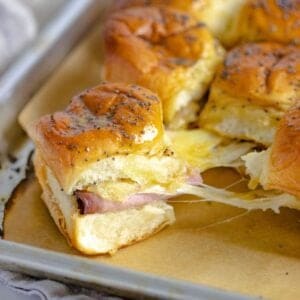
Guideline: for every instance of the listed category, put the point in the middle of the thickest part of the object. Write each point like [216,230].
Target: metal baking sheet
[101,276]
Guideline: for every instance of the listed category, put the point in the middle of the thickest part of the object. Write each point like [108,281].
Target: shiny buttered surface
[106,120]
[216,14]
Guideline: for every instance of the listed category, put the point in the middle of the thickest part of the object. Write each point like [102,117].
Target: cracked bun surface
[165,50]
[255,86]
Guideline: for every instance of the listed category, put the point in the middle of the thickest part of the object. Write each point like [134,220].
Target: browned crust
[107,120]
[258,71]
[284,163]
[269,20]
[153,47]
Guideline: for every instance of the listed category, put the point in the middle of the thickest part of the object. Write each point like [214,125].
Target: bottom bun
[101,233]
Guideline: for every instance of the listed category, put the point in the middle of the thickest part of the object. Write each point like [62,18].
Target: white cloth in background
[49,289]
[44,10]
[17,28]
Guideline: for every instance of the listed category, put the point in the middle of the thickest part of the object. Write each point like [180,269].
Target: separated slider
[106,168]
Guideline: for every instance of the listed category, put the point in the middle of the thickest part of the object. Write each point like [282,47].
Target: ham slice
[89,203]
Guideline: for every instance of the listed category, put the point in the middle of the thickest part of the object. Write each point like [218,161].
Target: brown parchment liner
[257,253]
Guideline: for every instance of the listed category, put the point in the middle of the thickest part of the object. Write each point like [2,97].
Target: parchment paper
[256,253]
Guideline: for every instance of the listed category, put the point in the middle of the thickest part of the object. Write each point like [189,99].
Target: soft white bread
[216,14]
[252,90]
[99,233]
[266,20]
[165,50]
[279,167]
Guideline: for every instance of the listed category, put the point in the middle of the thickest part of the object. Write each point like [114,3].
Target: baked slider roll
[266,20]
[106,169]
[168,52]
[255,86]
[216,14]
[278,167]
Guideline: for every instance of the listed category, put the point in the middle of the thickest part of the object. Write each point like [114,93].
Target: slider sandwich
[167,51]
[106,168]
[253,89]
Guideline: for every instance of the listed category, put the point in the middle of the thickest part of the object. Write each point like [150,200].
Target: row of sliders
[173,105]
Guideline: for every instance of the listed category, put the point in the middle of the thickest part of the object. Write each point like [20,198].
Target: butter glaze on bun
[107,120]
[255,86]
[165,50]
[216,14]
[267,20]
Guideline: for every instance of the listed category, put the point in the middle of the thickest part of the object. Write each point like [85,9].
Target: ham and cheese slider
[106,169]
[165,50]
[255,86]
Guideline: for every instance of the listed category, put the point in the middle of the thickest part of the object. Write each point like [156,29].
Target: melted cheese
[142,171]
[253,200]
[204,150]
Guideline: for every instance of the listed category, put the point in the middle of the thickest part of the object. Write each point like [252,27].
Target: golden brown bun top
[218,15]
[103,121]
[270,20]
[284,164]
[186,5]
[261,72]
[153,37]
